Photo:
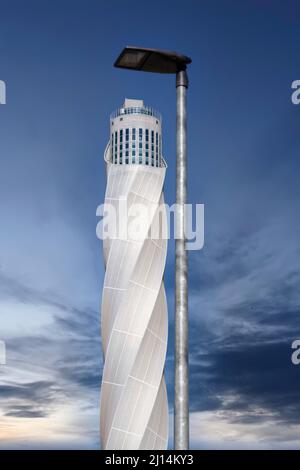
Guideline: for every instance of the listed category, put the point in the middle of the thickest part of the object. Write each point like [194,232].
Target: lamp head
[151,60]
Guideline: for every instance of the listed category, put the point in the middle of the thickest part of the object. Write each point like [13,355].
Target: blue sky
[56,59]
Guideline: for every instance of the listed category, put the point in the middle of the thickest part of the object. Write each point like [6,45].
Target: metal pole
[181,402]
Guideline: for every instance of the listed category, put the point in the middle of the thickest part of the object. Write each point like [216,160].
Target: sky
[243,164]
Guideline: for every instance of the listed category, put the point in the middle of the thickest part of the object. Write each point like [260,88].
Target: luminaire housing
[151,60]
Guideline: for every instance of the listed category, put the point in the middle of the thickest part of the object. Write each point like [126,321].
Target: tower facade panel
[134,408]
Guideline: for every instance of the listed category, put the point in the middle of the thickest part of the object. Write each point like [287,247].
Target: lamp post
[160,61]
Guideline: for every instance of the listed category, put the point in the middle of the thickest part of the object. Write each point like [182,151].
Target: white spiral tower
[134,321]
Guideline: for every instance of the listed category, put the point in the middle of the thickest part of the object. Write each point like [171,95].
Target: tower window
[133,134]
[140,134]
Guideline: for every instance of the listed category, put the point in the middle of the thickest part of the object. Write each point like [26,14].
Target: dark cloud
[26,412]
[68,351]
[30,391]
[29,400]
[244,366]
[245,308]
[258,377]
[83,375]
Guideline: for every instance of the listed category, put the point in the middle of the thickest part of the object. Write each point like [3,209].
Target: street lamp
[160,61]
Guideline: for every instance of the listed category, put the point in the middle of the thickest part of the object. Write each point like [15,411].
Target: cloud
[53,370]
[224,430]
[245,307]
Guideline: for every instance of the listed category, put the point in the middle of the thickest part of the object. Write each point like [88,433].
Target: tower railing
[146,110]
